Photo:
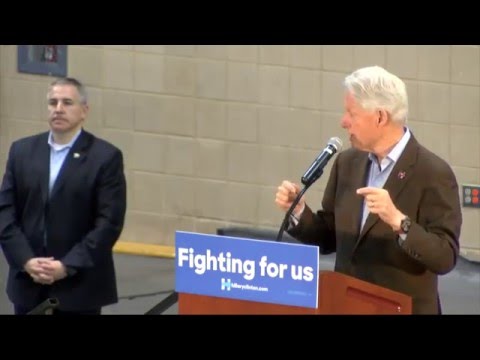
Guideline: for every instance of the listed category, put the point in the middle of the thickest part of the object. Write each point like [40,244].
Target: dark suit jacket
[82,219]
[422,186]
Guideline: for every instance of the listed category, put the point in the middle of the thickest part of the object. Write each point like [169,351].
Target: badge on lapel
[401,175]
[76,155]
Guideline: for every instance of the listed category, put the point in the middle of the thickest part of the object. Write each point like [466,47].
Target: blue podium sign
[246,269]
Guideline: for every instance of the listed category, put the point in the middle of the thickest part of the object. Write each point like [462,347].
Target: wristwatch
[405,225]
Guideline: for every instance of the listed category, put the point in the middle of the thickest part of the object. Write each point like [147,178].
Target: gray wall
[209,132]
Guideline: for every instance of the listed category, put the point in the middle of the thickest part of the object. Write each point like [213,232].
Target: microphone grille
[336,143]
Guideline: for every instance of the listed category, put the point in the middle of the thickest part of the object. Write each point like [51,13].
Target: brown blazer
[422,186]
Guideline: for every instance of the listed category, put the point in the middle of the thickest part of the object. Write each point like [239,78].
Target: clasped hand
[45,270]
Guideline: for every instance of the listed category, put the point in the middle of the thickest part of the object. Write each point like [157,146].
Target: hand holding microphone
[290,197]
[287,192]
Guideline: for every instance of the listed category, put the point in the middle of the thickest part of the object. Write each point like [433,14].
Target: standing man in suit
[62,208]
[391,208]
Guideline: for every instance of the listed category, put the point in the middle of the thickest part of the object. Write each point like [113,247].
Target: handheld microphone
[316,169]
[311,175]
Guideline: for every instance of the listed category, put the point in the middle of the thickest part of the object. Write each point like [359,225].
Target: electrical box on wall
[471,195]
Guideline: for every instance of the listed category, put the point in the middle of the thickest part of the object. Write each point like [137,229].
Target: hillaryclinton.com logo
[226,284]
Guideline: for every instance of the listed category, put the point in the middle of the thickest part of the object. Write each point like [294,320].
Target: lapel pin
[76,155]
[401,175]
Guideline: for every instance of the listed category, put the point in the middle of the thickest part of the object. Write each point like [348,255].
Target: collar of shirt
[395,153]
[59,147]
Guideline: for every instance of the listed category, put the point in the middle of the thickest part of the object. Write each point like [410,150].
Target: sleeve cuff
[70,270]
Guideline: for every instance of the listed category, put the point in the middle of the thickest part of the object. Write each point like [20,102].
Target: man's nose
[59,106]
[344,122]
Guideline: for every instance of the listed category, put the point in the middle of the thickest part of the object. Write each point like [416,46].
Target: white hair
[375,88]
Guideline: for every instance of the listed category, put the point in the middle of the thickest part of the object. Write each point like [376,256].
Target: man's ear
[382,117]
[86,109]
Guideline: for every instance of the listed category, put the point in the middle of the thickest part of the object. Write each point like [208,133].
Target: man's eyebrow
[62,99]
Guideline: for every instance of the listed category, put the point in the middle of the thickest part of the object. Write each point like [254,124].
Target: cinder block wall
[209,132]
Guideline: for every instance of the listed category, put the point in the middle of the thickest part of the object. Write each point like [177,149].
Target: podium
[339,294]
[221,275]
